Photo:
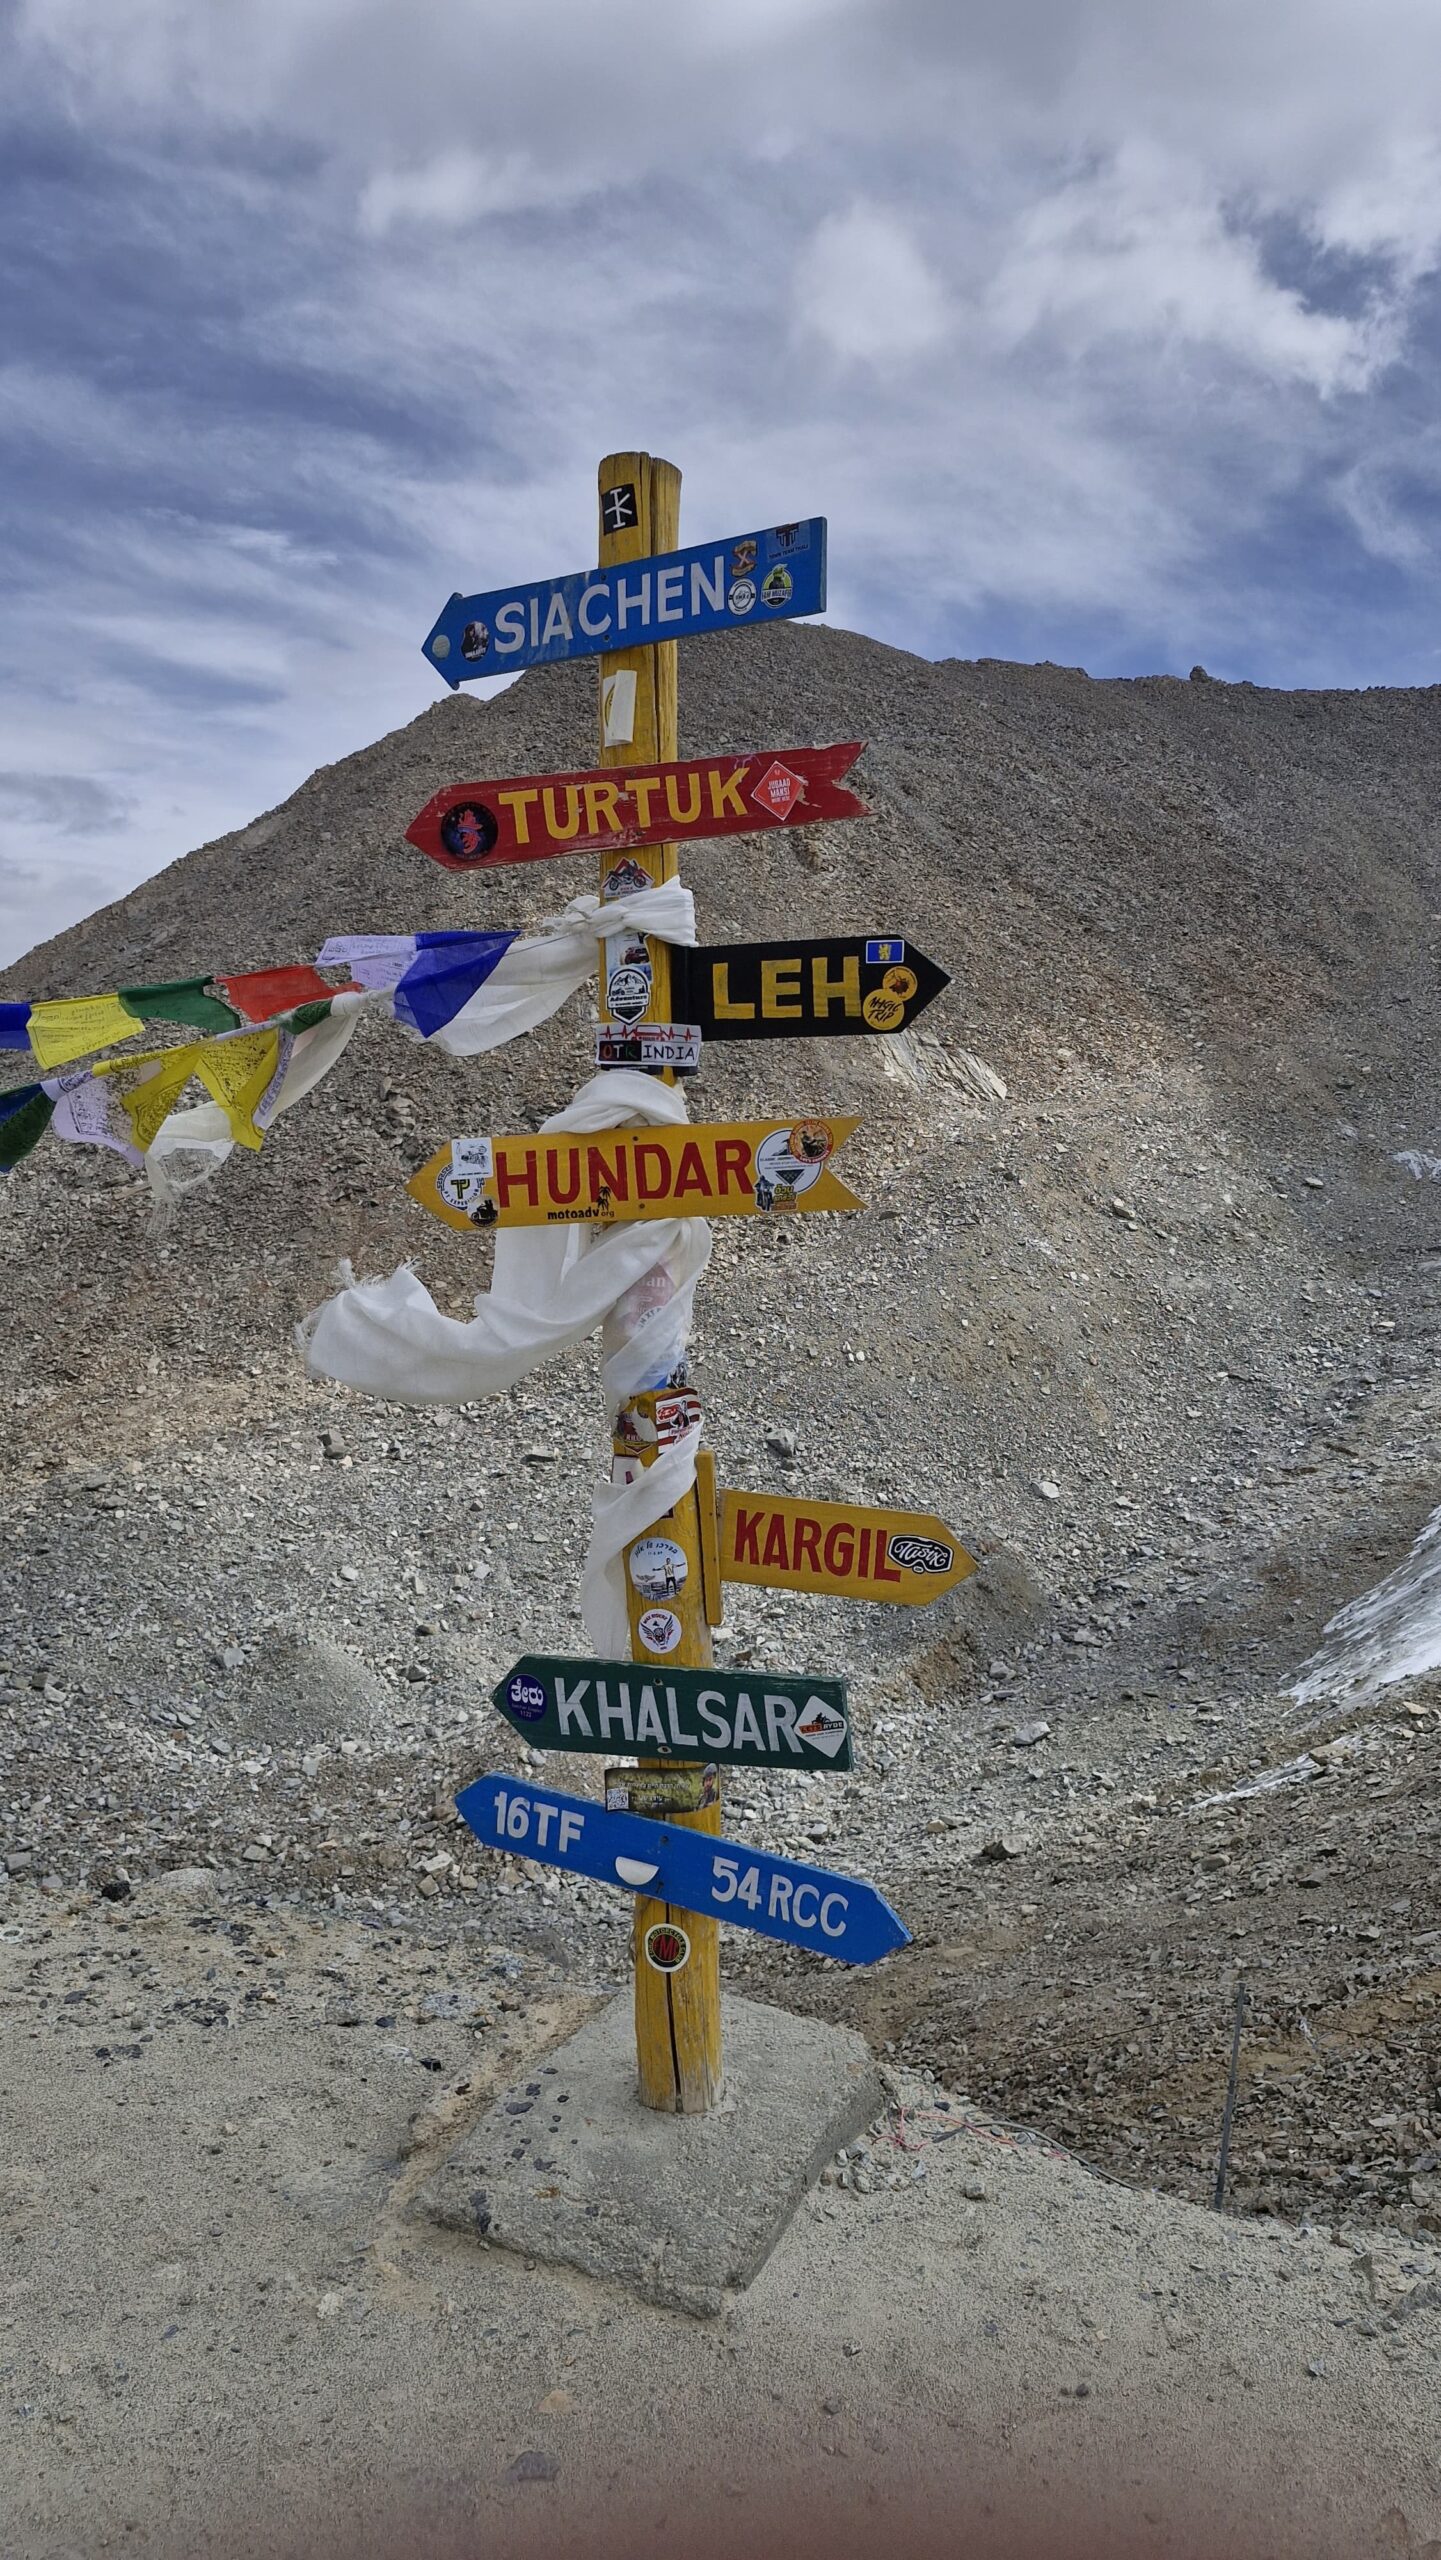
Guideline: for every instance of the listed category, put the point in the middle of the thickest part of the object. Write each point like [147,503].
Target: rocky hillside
[1156,1330]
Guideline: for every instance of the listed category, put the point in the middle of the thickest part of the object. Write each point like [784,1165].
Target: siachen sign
[746,579]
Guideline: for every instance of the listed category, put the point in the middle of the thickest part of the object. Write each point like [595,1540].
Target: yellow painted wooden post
[677,2015]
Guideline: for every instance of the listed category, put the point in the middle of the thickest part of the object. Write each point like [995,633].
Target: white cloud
[1063,313]
[863,286]
[455,189]
[1137,249]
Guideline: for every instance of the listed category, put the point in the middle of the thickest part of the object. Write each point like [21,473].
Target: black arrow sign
[848,983]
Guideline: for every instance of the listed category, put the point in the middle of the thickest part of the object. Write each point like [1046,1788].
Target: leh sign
[738,1169]
[845,984]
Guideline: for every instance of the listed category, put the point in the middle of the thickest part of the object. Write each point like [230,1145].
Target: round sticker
[659,1630]
[742,596]
[780,1174]
[468,832]
[667,1948]
[658,1568]
[525,1698]
[462,1189]
[474,640]
[778,589]
[882,1012]
[811,1141]
[628,993]
[440,646]
[900,982]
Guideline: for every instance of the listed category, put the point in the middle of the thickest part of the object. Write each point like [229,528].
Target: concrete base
[569,2166]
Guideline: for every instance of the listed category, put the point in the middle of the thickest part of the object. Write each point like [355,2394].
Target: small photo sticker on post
[667,1948]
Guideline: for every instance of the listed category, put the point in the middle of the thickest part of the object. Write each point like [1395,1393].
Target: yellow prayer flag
[150,1086]
[72,1026]
[237,1071]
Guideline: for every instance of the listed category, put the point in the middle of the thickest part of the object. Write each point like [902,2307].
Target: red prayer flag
[262,993]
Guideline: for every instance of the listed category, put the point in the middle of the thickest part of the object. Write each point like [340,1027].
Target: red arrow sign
[478,826]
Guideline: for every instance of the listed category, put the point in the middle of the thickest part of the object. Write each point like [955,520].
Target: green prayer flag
[25,1115]
[180,1000]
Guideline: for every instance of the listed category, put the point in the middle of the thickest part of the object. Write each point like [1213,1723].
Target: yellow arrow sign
[723,1169]
[839,1547]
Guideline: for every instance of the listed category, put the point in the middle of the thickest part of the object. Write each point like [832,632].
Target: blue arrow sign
[719,586]
[781,1897]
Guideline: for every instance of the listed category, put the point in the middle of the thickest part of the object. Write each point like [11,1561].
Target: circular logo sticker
[742,596]
[900,982]
[658,1568]
[780,1173]
[628,993]
[474,640]
[468,832]
[659,1630]
[778,588]
[811,1141]
[882,1012]
[525,1698]
[667,1948]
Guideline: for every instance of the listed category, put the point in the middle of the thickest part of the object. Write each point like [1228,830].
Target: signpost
[845,984]
[741,1719]
[840,1548]
[486,826]
[735,1169]
[636,600]
[717,1879]
[658,1836]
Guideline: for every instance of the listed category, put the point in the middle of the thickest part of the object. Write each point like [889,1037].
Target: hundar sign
[485,826]
[736,1169]
[839,1548]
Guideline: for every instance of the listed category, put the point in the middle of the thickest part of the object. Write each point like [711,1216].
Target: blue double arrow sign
[779,1897]
[748,578]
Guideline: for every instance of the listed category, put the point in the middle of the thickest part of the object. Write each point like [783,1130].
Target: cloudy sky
[1101,330]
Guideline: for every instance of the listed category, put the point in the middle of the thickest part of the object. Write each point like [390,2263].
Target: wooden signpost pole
[677,2014]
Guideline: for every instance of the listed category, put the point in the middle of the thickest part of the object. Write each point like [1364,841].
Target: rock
[533,2466]
[1047,1488]
[1001,1846]
[780,1442]
[185,1884]
[332,1444]
[231,1657]
[1026,1735]
[540,1457]
[305,1688]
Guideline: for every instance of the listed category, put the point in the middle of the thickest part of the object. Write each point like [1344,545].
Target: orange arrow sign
[722,1169]
[839,1547]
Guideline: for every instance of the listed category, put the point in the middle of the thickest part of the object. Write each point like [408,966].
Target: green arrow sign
[751,1720]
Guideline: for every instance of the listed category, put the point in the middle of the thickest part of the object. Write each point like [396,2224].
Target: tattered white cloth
[551,1286]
